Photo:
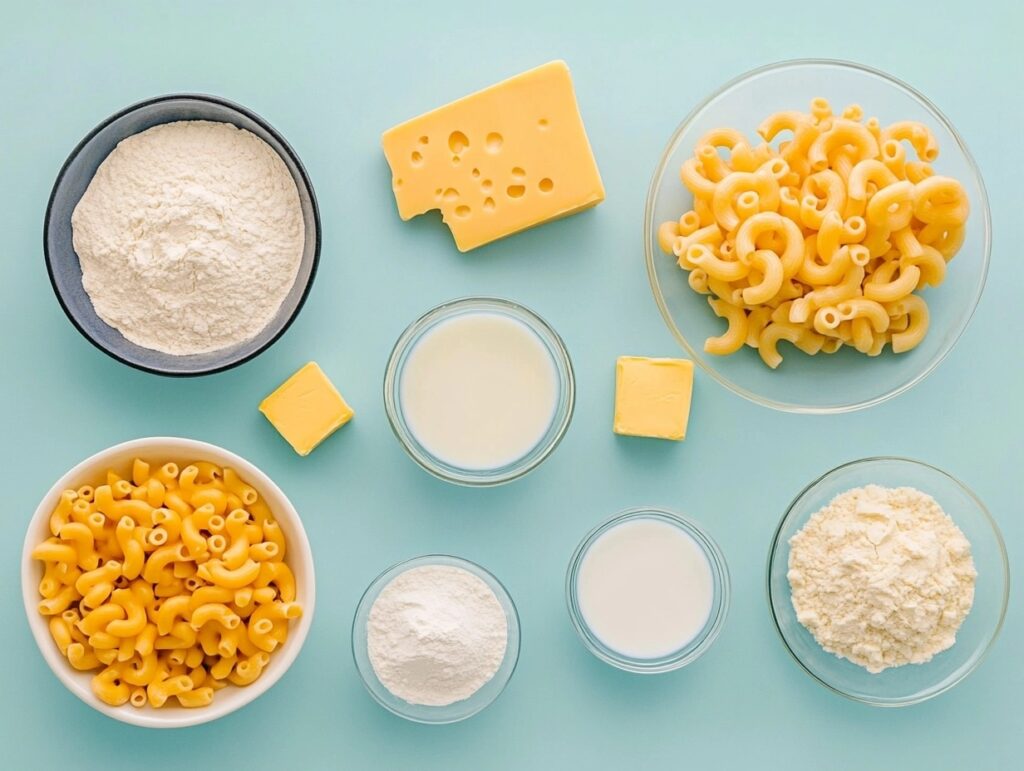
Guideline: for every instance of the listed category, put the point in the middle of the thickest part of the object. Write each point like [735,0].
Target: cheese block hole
[476,173]
[486,185]
[542,124]
[457,142]
[462,211]
[424,140]
[518,173]
[493,142]
[516,191]
[451,194]
[489,204]
[438,192]
[546,185]
[398,182]
[456,159]
[416,158]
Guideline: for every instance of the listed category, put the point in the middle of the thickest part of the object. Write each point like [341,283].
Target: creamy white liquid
[479,390]
[645,588]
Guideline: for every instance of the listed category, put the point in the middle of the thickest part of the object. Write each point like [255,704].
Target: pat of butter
[306,409]
[498,161]
[652,397]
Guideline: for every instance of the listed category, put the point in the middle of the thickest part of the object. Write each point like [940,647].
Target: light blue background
[331,78]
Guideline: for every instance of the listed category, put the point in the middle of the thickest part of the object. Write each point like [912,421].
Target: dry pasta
[171,585]
[824,241]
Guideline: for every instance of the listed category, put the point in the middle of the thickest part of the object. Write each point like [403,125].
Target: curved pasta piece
[895,289]
[863,308]
[918,134]
[762,182]
[916,309]
[735,335]
[932,265]
[711,235]
[712,164]
[842,133]
[700,256]
[691,174]
[753,229]
[770,266]
[892,207]
[940,200]
[779,331]
[869,171]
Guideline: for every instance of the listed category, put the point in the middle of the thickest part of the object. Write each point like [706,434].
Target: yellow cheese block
[652,397]
[306,409]
[498,161]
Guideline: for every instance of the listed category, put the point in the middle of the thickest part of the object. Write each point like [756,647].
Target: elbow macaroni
[824,242]
[133,587]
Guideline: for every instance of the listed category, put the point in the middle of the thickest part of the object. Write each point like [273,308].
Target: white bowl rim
[152,718]
[652,277]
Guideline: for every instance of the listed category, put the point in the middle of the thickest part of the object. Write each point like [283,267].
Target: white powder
[190,236]
[436,635]
[882,577]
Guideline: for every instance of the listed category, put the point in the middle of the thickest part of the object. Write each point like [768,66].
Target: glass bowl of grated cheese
[910,683]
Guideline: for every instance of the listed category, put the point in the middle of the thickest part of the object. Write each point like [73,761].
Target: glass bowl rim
[650,257]
[359,641]
[712,628]
[774,552]
[551,341]
[306,185]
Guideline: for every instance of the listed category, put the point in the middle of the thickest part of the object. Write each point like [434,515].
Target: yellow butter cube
[499,161]
[306,409]
[652,397]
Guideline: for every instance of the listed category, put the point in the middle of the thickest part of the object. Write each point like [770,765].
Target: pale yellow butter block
[499,161]
[652,397]
[306,408]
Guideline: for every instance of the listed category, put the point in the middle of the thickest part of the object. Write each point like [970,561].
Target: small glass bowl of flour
[888,581]
[435,639]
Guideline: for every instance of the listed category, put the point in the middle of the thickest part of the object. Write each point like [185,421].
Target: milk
[479,390]
[645,588]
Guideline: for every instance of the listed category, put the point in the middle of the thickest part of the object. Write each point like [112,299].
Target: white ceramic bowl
[181,451]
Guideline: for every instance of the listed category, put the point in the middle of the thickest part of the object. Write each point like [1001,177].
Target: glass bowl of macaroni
[846,380]
[182,452]
[911,683]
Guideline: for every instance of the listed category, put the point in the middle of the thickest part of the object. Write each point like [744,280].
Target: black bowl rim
[220,101]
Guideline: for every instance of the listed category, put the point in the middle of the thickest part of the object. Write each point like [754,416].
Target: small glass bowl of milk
[648,591]
[479,391]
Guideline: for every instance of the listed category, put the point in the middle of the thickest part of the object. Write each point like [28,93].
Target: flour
[882,577]
[436,635]
[190,236]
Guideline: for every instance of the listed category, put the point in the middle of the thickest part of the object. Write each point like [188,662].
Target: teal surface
[331,76]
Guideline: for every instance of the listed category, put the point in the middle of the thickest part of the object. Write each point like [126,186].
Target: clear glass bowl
[559,422]
[422,713]
[694,649]
[912,683]
[846,380]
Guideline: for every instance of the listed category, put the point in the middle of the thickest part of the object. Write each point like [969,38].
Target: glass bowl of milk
[648,591]
[479,390]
